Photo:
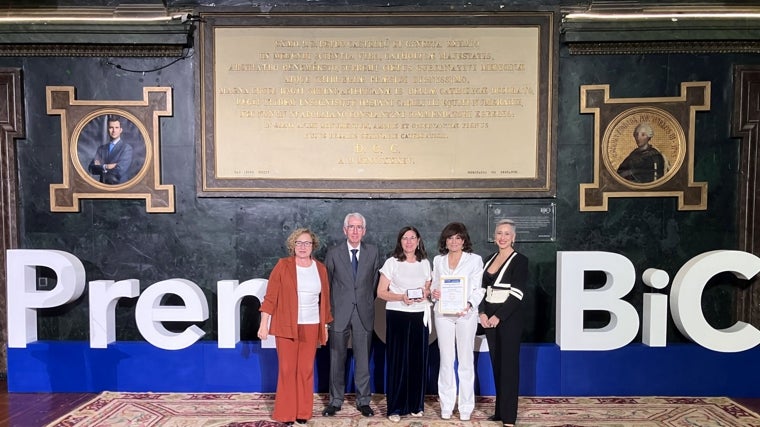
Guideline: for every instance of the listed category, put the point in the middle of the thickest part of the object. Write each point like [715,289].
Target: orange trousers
[295,377]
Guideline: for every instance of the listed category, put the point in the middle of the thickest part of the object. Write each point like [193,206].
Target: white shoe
[417,414]
[394,418]
[446,415]
[464,417]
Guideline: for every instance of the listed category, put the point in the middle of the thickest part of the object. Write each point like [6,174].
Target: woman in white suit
[456,330]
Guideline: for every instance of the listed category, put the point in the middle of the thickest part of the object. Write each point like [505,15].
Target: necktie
[354,261]
[110,147]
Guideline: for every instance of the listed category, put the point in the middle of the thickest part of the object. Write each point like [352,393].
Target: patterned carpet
[253,410]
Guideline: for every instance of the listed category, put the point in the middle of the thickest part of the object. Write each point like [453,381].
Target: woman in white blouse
[456,319]
[405,285]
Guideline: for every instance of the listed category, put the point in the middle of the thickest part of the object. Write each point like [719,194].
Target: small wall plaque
[534,221]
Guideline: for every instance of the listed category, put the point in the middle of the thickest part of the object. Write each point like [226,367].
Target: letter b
[573,299]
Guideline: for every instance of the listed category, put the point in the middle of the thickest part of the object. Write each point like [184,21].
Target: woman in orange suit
[298,304]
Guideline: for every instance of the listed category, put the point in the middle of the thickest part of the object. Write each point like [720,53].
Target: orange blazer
[281,300]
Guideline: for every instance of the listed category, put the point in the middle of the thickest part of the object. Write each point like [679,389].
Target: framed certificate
[453,294]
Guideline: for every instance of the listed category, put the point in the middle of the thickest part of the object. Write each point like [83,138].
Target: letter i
[655,316]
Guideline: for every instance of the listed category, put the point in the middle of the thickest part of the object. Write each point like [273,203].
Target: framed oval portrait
[111,147]
[643,147]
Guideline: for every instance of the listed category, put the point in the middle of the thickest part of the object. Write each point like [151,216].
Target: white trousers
[456,340]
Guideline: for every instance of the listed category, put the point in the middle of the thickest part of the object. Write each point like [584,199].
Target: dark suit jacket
[121,155]
[517,276]
[345,291]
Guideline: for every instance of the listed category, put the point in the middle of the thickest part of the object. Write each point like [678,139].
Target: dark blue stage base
[636,370]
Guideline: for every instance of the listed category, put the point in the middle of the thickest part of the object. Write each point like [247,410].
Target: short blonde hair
[508,222]
[291,241]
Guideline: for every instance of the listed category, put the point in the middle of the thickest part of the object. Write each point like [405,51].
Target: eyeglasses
[355,227]
[300,243]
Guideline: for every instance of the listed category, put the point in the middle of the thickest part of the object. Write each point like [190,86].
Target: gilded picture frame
[87,129]
[92,133]
[665,153]
[644,147]
[442,105]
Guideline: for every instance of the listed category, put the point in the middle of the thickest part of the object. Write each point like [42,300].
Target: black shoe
[330,411]
[366,410]
[288,423]
[301,421]
[494,418]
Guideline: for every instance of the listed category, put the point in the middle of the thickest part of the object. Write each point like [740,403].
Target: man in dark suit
[352,267]
[113,159]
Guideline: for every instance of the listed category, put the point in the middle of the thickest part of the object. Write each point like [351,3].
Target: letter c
[686,300]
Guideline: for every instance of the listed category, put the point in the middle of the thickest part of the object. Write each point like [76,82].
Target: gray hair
[506,221]
[356,215]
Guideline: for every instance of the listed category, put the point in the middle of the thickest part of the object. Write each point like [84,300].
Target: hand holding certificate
[453,294]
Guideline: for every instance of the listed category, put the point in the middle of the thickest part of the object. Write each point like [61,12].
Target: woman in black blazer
[500,314]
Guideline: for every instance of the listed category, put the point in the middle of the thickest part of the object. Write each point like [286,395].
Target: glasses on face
[355,227]
[303,243]
[409,238]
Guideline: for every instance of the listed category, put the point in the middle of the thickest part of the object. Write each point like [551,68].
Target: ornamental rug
[111,409]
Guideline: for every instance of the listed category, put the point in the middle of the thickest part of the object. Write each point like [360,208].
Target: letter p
[23,297]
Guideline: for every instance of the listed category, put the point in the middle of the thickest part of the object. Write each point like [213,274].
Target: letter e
[149,313]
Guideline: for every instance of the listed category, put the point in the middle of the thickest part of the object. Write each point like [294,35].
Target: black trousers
[504,349]
[406,358]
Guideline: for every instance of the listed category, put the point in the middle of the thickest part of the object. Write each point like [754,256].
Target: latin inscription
[344,103]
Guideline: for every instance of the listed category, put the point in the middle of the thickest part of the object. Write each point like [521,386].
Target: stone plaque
[396,106]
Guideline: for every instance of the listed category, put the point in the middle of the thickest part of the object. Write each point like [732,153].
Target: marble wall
[211,239]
